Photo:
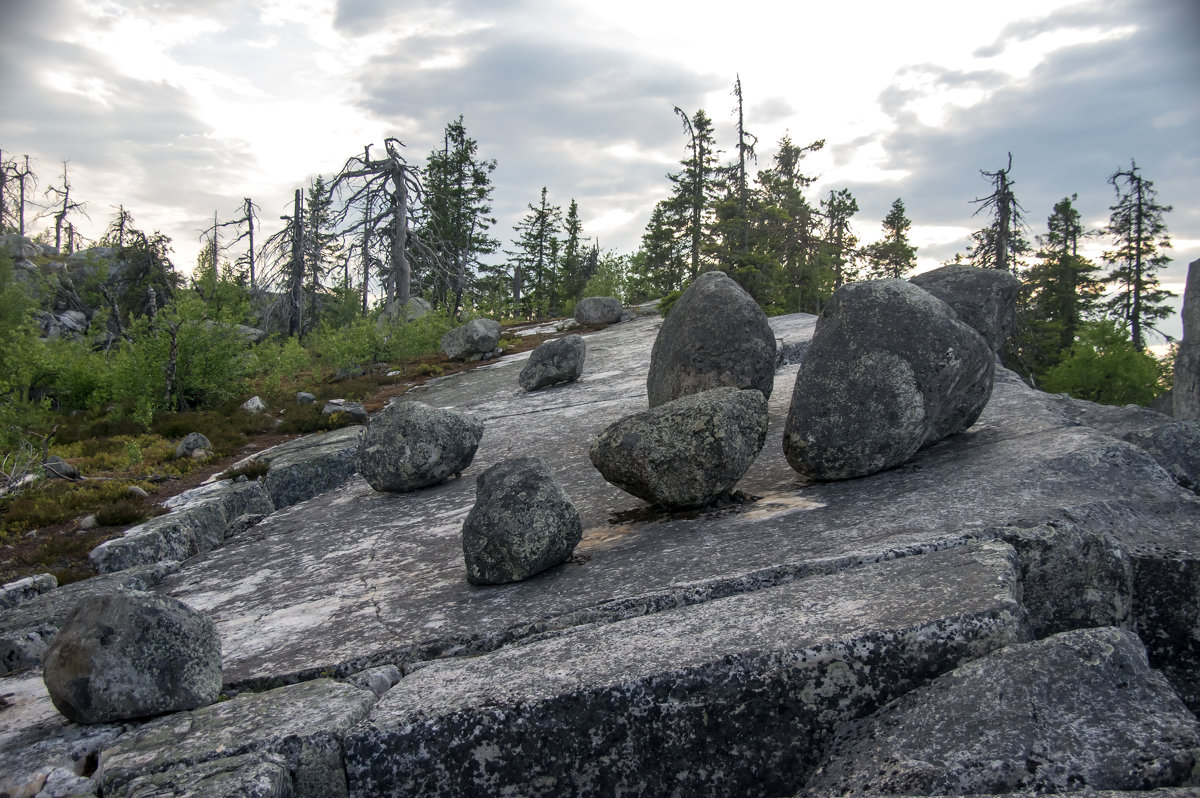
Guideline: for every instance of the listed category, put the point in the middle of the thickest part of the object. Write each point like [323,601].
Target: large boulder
[685,453]
[595,311]
[410,445]
[1176,447]
[1081,710]
[984,299]
[522,523]
[890,369]
[1186,393]
[132,655]
[560,360]
[472,340]
[715,336]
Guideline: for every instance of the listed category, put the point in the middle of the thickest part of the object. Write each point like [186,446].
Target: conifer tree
[785,233]
[577,267]
[697,188]
[534,264]
[840,244]
[1001,244]
[892,256]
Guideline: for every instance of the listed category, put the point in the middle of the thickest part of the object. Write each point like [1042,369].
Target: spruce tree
[892,256]
[785,234]
[697,188]
[534,263]
[840,244]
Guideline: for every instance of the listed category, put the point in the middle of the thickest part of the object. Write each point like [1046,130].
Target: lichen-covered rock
[598,310]
[19,591]
[984,299]
[308,466]
[254,405]
[132,655]
[1078,710]
[715,336]
[522,523]
[684,453]
[57,468]
[355,410]
[890,369]
[560,360]
[410,445]
[472,340]
[246,776]
[1176,447]
[191,443]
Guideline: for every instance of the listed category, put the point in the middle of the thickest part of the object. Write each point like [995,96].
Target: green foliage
[610,277]
[226,295]
[892,256]
[1104,366]
[22,354]
[371,340]
[57,502]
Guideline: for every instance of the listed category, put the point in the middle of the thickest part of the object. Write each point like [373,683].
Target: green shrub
[1104,366]
[309,418]
[58,502]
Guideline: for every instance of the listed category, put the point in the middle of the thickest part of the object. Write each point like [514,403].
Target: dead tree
[63,206]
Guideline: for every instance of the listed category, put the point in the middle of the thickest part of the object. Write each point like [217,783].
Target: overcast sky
[177,108]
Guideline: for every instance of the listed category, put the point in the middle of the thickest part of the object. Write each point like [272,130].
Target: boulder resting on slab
[560,360]
[410,445]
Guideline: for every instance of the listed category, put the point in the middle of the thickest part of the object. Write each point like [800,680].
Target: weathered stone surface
[1081,709]
[300,725]
[891,369]
[685,453]
[522,523]
[597,310]
[191,442]
[309,466]
[471,340]
[254,405]
[245,776]
[305,398]
[560,360]
[1186,391]
[1176,447]
[984,299]
[410,445]
[715,336]
[19,591]
[132,655]
[731,697]
[355,410]
[26,630]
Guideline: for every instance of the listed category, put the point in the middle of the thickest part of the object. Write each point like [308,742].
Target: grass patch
[309,418]
[58,502]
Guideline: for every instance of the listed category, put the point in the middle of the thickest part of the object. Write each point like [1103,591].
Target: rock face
[685,453]
[597,310]
[715,336]
[472,340]
[890,369]
[522,523]
[1176,447]
[560,360]
[1080,710]
[410,445]
[984,299]
[1186,392]
[132,655]
[308,466]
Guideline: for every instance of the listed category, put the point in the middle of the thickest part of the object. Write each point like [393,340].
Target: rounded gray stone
[471,340]
[598,310]
[131,655]
[685,453]
[983,299]
[522,523]
[192,442]
[410,445]
[560,360]
[715,336]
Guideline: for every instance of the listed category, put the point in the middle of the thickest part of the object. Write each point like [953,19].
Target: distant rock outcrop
[410,445]
[890,369]
[472,340]
[596,311]
[715,336]
[984,299]
[560,360]
[1186,391]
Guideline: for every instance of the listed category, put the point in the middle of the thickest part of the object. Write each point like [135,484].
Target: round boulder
[193,442]
[560,360]
[685,453]
[132,655]
[984,299]
[410,445]
[595,311]
[715,336]
[890,369]
[522,523]
[472,340]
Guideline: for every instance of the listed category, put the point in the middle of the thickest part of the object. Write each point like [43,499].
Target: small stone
[556,361]
[192,442]
[522,523]
[57,468]
[89,522]
[353,409]
[305,398]
[254,405]
[134,490]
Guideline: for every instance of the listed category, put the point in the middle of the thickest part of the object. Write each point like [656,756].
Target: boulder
[353,409]
[560,360]
[415,308]
[22,590]
[57,468]
[472,340]
[1079,710]
[19,247]
[595,311]
[305,398]
[132,655]
[984,299]
[1176,447]
[410,445]
[1186,393]
[254,405]
[890,369]
[192,442]
[685,453]
[715,336]
[306,467]
[522,523]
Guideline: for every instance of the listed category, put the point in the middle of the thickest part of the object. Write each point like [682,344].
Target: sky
[179,108]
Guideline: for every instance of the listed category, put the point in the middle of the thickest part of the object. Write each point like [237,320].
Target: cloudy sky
[177,108]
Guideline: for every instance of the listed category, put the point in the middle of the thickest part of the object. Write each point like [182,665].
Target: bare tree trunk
[297,267]
[401,270]
[216,274]
[172,361]
[250,223]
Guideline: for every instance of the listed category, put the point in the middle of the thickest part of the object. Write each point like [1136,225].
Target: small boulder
[254,405]
[984,299]
[410,445]
[685,453]
[305,398]
[192,443]
[472,340]
[522,523]
[715,336]
[57,468]
[560,360]
[595,311]
[30,587]
[890,369]
[353,409]
[415,308]
[131,655]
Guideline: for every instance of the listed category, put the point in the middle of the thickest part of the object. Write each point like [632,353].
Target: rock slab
[890,369]
[560,360]
[132,655]
[472,340]
[410,445]
[522,523]
[715,336]
[1079,710]
[684,453]
[984,299]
